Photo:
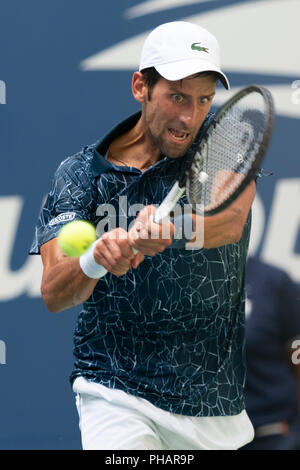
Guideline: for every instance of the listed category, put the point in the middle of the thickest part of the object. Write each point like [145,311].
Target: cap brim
[179,70]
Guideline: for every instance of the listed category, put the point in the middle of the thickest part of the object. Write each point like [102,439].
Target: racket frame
[255,167]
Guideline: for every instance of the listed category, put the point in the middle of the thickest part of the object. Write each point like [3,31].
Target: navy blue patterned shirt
[171,331]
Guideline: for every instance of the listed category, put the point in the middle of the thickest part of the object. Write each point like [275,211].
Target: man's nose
[189,115]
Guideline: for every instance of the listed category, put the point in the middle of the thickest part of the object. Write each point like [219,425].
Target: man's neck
[134,148]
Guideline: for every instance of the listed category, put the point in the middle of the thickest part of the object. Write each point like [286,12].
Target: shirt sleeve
[70,198]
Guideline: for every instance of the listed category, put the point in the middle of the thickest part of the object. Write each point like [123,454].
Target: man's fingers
[148,236]
[114,252]
[139,257]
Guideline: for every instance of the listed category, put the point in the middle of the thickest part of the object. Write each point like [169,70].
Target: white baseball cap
[180,49]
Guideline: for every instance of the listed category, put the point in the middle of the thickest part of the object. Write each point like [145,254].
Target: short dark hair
[152,77]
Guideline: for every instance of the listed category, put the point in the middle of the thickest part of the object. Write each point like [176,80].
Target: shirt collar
[99,163]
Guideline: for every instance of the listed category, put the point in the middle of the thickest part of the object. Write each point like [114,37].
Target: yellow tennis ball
[76,237]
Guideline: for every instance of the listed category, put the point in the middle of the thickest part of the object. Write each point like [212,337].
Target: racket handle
[168,203]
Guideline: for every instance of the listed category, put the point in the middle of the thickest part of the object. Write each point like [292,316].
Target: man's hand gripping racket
[227,158]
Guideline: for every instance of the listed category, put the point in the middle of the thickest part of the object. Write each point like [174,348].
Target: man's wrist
[88,264]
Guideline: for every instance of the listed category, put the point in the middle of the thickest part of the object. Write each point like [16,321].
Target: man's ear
[139,87]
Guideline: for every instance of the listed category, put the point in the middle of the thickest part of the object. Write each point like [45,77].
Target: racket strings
[227,154]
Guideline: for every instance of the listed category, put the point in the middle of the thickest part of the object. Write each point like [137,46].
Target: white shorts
[114,420]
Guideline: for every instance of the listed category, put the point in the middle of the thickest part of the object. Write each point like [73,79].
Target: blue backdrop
[65,76]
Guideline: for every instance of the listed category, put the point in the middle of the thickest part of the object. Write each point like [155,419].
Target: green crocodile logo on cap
[196,47]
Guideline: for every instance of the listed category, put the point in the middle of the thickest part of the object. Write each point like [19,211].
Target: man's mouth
[178,135]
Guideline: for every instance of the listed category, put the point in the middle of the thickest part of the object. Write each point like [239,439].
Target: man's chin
[177,150]
[178,153]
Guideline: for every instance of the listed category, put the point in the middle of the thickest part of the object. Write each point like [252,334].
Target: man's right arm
[65,285]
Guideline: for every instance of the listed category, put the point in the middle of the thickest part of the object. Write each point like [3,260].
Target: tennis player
[159,343]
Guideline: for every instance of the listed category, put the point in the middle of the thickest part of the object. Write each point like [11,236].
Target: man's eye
[177,98]
[203,100]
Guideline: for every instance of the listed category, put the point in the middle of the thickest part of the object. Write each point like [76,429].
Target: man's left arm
[220,229]
[227,226]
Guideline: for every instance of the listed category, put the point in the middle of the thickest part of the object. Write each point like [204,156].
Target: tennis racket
[228,156]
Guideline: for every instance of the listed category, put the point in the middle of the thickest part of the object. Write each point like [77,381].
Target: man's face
[176,111]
